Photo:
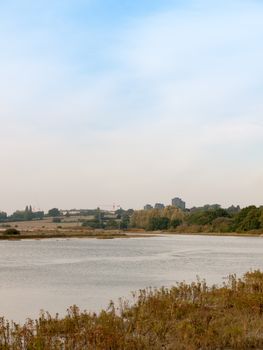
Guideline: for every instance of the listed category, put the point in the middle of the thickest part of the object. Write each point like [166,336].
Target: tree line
[210,219]
[27,214]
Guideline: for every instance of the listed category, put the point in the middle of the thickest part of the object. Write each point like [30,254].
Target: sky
[130,102]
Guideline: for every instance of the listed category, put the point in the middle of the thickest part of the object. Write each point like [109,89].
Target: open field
[184,317]
[46,228]
[45,224]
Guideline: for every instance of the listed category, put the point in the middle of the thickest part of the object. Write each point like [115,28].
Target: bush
[158,223]
[206,217]
[112,224]
[175,223]
[247,219]
[12,231]
[54,212]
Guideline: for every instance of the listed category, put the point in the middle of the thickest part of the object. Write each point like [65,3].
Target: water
[54,274]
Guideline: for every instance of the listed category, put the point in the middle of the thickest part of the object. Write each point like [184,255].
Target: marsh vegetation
[186,316]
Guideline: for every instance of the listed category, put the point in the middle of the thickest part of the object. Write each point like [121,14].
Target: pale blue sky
[130,102]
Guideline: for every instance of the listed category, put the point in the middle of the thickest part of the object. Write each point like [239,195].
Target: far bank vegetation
[210,219]
[206,219]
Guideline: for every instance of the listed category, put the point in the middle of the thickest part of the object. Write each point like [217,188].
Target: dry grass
[68,228]
[184,317]
[60,233]
[46,223]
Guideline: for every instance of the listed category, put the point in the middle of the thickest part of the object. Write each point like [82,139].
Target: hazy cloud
[167,102]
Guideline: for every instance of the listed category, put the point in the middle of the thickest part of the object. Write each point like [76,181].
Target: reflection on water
[54,274]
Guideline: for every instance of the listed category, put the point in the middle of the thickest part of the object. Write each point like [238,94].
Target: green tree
[112,224]
[175,223]
[158,223]
[28,213]
[54,212]
[248,218]
[206,217]
[125,221]
[3,216]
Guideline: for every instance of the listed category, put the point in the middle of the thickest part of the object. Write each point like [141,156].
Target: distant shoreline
[110,234]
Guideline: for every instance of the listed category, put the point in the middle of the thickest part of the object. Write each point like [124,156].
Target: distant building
[211,207]
[71,212]
[148,207]
[159,206]
[178,203]
[233,209]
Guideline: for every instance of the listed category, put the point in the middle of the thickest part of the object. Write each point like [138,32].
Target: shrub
[175,223]
[158,223]
[247,219]
[12,231]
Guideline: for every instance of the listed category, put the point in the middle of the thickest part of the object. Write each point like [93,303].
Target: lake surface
[54,274]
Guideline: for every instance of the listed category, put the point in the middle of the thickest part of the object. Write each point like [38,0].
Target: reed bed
[186,316]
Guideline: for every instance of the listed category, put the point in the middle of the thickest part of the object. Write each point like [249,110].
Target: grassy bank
[222,234]
[73,232]
[184,317]
[112,235]
[65,234]
[46,228]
